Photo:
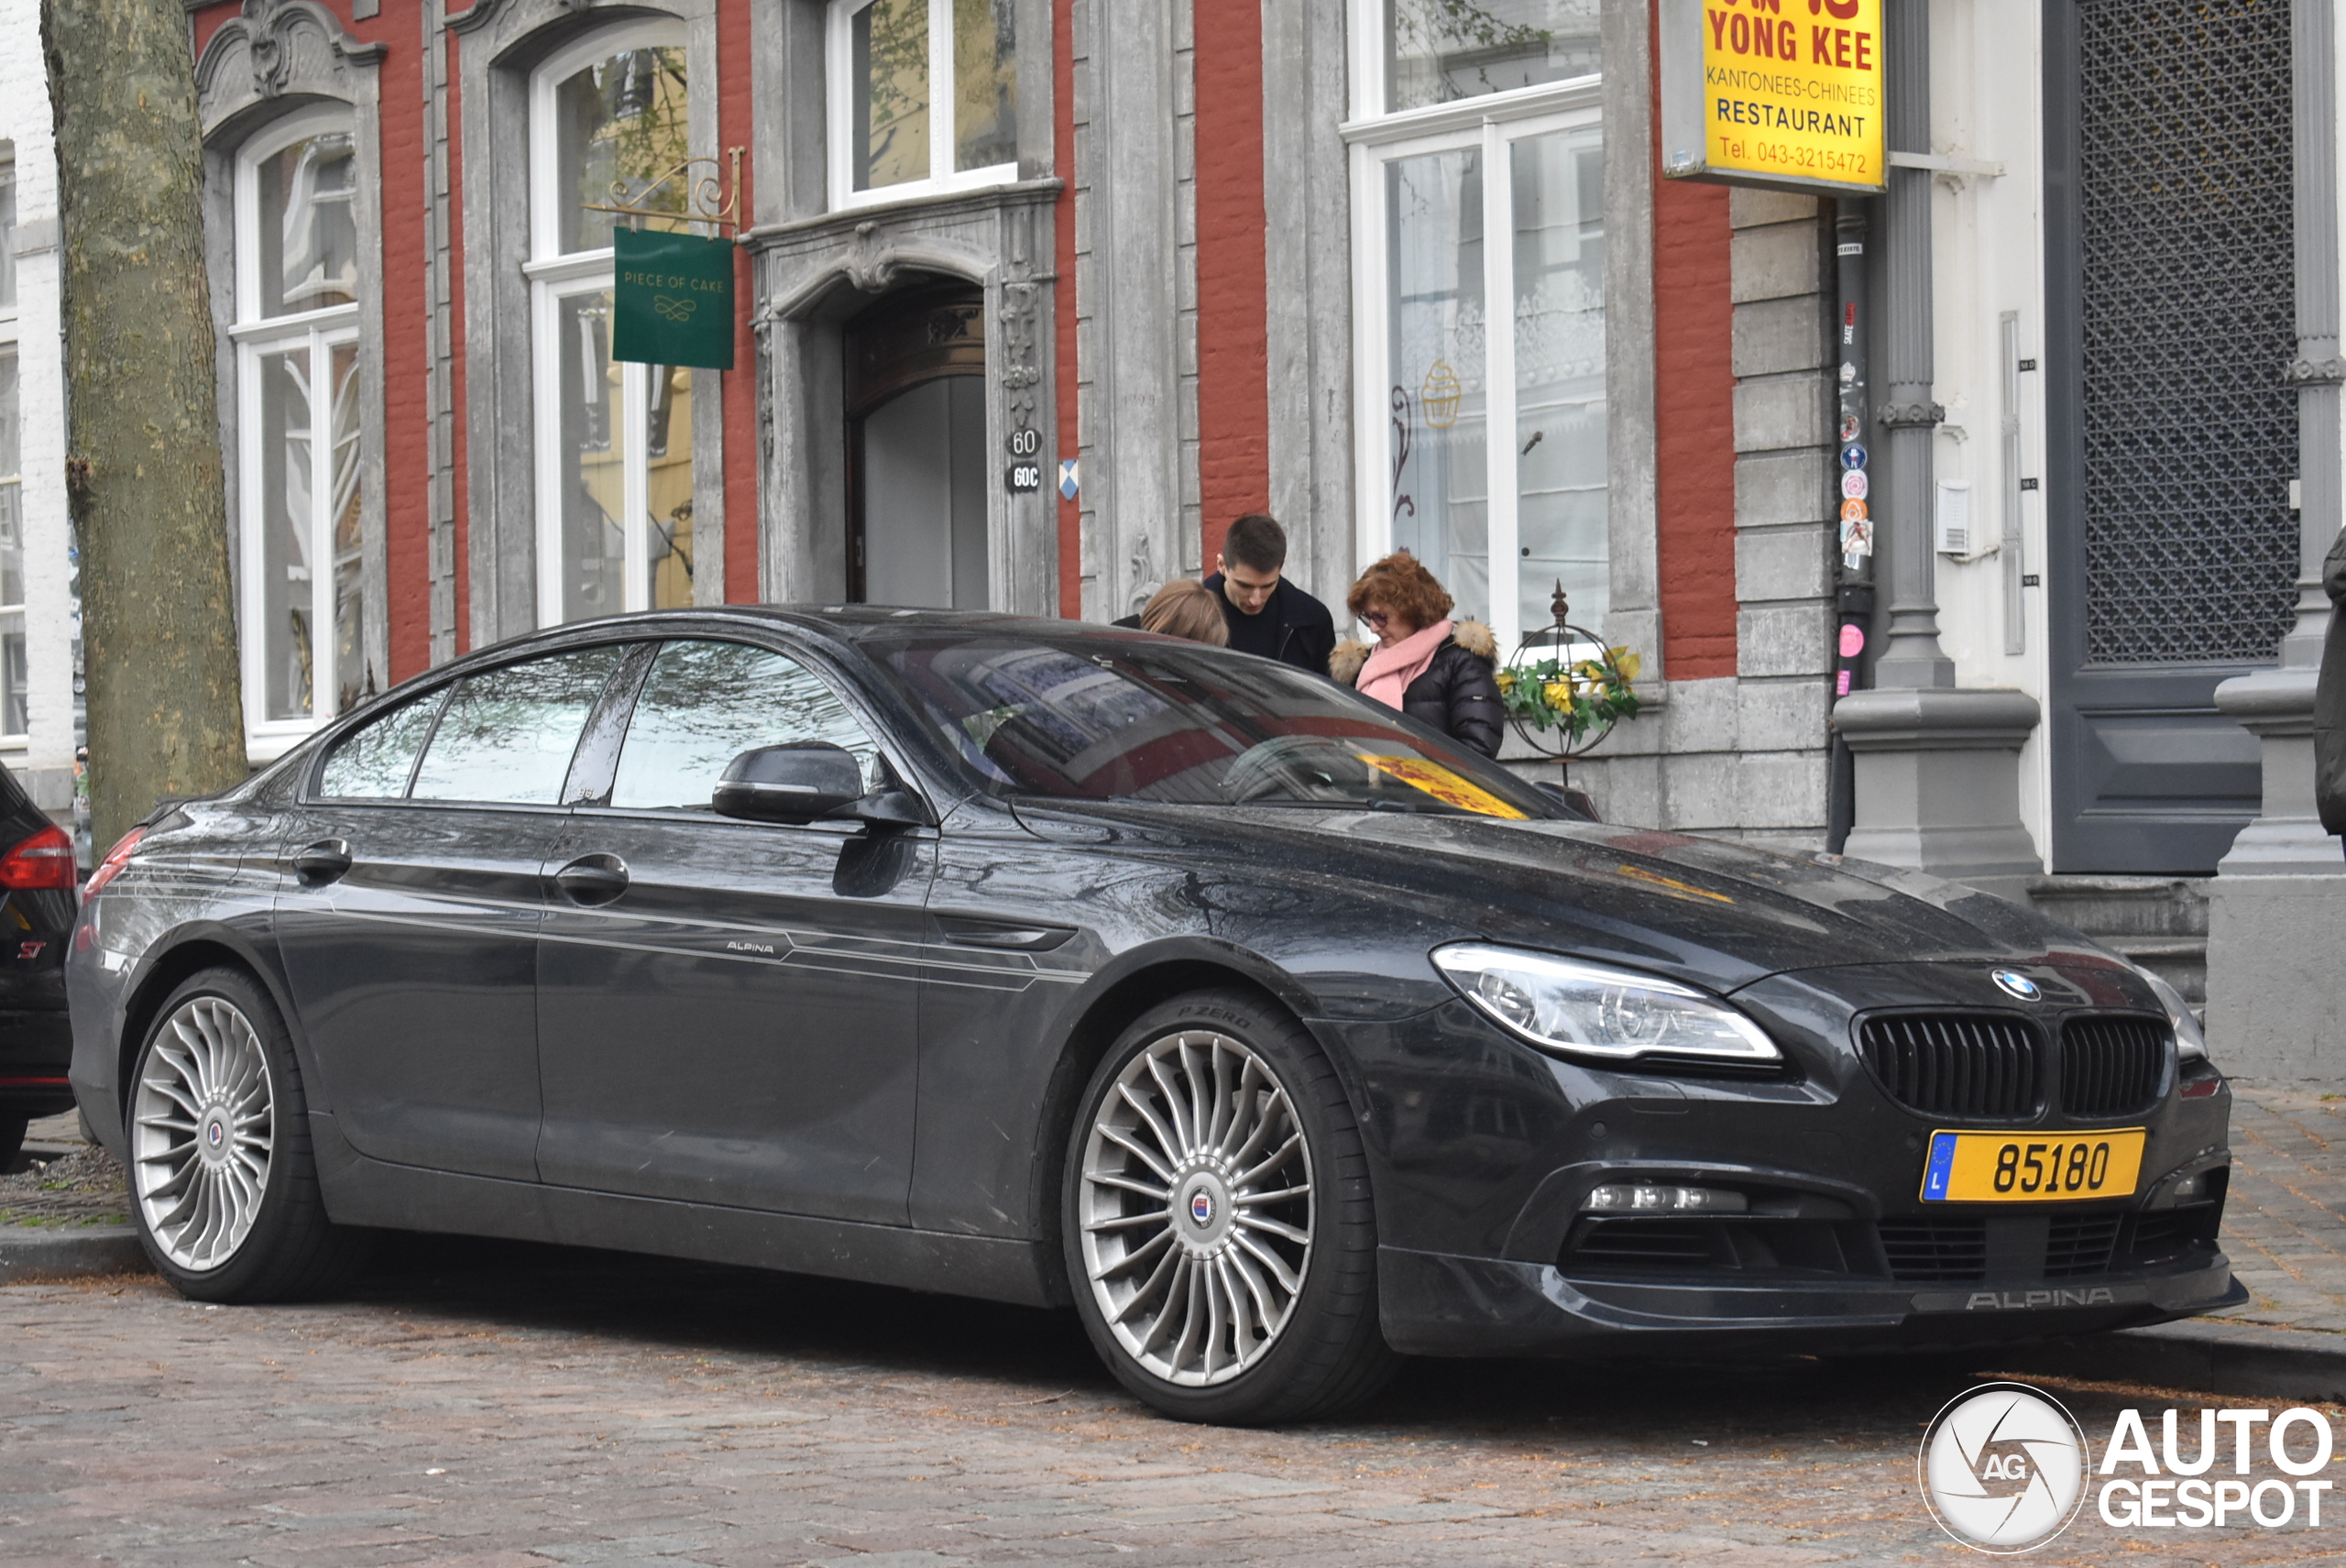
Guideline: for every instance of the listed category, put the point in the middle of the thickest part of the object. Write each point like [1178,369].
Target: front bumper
[1486,1152]
[1441,1304]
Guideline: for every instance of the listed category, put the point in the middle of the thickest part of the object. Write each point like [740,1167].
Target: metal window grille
[2190,435]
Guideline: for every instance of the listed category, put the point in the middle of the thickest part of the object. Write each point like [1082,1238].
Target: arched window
[296,335]
[924,97]
[614,482]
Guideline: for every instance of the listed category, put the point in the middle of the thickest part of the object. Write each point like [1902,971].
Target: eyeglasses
[1377,618]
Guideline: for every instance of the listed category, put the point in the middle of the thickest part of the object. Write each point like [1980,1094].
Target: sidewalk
[64,1211]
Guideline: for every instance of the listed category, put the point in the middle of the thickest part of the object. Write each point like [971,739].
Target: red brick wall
[407,346]
[1233,347]
[739,386]
[1694,429]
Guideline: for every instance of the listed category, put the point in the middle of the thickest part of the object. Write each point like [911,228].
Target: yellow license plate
[2032,1167]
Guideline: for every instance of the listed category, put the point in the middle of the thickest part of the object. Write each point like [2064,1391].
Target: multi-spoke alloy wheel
[203,1133]
[1196,1208]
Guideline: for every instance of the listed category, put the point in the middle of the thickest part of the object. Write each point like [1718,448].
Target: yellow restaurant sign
[1773,93]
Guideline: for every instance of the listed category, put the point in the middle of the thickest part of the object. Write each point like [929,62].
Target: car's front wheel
[1218,1223]
[222,1188]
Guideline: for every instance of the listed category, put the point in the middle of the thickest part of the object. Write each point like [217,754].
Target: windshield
[1160,720]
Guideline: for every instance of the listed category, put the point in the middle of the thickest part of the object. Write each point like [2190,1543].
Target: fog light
[2190,1187]
[1642,1200]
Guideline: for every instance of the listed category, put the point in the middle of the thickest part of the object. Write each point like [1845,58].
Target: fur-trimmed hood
[1344,663]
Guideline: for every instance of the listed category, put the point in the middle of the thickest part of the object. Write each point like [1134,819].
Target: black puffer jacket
[1457,693]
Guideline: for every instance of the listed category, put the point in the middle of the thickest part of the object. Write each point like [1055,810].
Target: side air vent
[1983,1066]
[2110,1067]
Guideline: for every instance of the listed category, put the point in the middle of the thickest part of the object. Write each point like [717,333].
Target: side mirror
[796,782]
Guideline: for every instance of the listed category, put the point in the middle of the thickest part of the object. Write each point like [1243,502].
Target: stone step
[2161,922]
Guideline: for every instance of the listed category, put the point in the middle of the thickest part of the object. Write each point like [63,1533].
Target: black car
[1056,964]
[37,902]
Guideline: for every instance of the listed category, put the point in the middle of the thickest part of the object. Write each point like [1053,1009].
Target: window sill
[1370,130]
[264,745]
[925,190]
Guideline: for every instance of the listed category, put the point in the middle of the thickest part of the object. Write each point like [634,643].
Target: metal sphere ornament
[1565,689]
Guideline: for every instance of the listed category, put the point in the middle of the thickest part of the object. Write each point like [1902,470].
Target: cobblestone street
[482,1404]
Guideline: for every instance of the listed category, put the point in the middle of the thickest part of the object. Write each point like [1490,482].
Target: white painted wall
[46,762]
[1988,257]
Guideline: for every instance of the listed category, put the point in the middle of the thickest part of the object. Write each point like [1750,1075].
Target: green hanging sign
[672,300]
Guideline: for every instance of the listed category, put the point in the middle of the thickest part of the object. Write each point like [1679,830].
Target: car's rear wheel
[1218,1224]
[222,1188]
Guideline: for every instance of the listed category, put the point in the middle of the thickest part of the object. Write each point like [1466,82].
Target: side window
[508,734]
[703,703]
[374,763]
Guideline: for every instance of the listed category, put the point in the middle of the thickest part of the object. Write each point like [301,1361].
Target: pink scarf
[1389,670]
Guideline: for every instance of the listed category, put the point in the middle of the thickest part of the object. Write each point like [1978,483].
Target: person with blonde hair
[1189,609]
[1439,672]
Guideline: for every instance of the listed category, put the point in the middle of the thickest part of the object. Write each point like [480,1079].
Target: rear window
[375,762]
[508,734]
[1175,722]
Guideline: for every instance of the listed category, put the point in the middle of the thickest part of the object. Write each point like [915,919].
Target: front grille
[2080,1244]
[1981,1065]
[1935,1248]
[2110,1067]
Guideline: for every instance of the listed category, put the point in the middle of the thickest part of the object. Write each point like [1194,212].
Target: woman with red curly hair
[1437,671]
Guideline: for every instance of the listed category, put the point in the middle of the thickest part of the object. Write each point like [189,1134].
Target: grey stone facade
[499,42]
[812,275]
[275,60]
[1136,293]
[1746,755]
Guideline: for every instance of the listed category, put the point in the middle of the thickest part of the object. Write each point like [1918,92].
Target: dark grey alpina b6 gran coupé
[1060,965]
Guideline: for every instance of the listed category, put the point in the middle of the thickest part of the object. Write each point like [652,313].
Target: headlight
[1565,1004]
[2191,1042]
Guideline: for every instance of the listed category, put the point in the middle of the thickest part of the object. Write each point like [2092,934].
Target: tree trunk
[143,476]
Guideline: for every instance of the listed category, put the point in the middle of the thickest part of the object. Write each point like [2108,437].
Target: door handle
[593,879]
[322,861]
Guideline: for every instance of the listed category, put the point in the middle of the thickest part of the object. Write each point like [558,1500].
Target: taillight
[111,867]
[45,860]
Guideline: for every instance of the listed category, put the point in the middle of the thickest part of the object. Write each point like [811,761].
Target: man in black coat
[2329,699]
[1267,614]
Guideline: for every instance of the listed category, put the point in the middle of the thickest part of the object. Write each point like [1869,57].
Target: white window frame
[556,276]
[318,331]
[8,311]
[1492,122]
[10,306]
[943,179]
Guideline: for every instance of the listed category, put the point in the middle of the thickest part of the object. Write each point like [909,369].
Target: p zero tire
[222,1187]
[1216,1217]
